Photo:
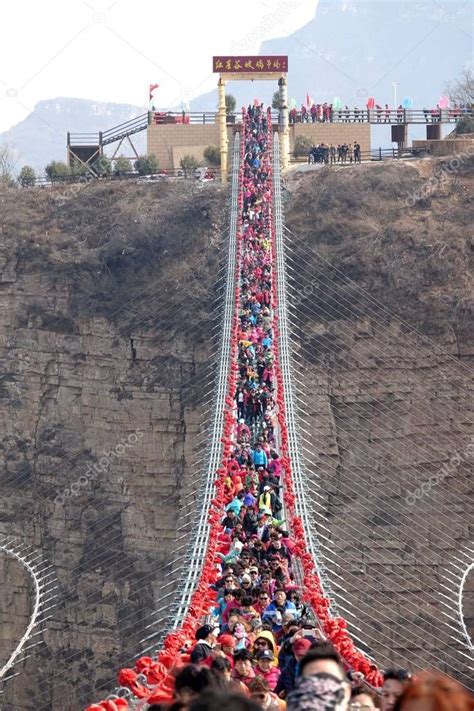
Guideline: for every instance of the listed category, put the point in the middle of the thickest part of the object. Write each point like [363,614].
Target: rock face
[106,361]
[377,253]
[106,355]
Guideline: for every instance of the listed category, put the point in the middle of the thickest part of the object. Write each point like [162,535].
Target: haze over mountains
[41,137]
[352,49]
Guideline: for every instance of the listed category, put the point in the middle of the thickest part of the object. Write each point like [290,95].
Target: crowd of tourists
[376,113]
[261,647]
[330,155]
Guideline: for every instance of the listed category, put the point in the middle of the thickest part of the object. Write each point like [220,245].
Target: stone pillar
[284,128]
[222,130]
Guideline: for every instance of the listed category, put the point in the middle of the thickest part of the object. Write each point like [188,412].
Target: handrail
[197,550]
[340,116]
[43,583]
[294,446]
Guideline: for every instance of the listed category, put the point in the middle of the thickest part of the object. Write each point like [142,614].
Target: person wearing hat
[267,669]
[254,574]
[264,640]
[227,645]
[206,637]
[262,530]
[290,672]
[265,500]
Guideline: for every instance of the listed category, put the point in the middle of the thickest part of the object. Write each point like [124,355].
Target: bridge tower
[253,68]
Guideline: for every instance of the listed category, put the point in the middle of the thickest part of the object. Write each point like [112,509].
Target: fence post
[380,152]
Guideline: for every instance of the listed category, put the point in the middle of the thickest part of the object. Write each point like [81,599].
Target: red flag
[152,89]
[308,101]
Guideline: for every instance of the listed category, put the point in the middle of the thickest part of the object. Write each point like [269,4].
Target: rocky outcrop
[105,349]
[382,307]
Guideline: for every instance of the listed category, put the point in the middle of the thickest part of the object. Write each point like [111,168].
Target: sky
[111,50]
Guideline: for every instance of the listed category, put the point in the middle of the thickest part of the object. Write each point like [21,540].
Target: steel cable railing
[45,592]
[196,555]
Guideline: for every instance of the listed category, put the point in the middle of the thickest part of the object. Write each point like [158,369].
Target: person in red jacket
[265,667]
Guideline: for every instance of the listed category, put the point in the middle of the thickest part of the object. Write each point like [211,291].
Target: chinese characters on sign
[243,65]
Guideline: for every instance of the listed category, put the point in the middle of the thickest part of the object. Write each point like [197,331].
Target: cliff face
[106,353]
[105,350]
[378,251]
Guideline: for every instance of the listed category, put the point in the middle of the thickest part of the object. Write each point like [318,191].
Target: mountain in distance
[42,135]
[354,49]
[351,49]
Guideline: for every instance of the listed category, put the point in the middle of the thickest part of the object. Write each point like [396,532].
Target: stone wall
[332,133]
[162,139]
[168,141]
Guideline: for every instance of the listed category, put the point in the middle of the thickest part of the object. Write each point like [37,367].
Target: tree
[302,146]
[146,165]
[102,167]
[122,166]
[230,104]
[77,168]
[27,177]
[464,125]
[8,161]
[57,171]
[188,163]
[212,155]
[276,100]
[461,91]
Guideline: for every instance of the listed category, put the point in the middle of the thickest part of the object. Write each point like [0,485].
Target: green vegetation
[57,171]
[102,166]
[464,125]
[122,166]
[302,146]
[212,155]
[276,100]
[146,165]
[188,164]
[27,177]
[230,104]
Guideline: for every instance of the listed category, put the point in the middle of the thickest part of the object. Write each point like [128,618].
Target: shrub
[276,100]
[302,146]
[230,103]
[146,165]
[212,155]
[122,166]
[78,169]
[188,163]
[464,125]
[57,171]
[102,166]
[27,177]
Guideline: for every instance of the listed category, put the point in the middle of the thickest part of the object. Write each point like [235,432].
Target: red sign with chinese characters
[244,65]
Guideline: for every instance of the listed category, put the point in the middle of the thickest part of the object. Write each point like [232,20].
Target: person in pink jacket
[265,667]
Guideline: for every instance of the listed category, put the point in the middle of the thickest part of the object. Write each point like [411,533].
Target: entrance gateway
[274,67]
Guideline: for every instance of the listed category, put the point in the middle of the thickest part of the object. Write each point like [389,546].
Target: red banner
[276,64]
